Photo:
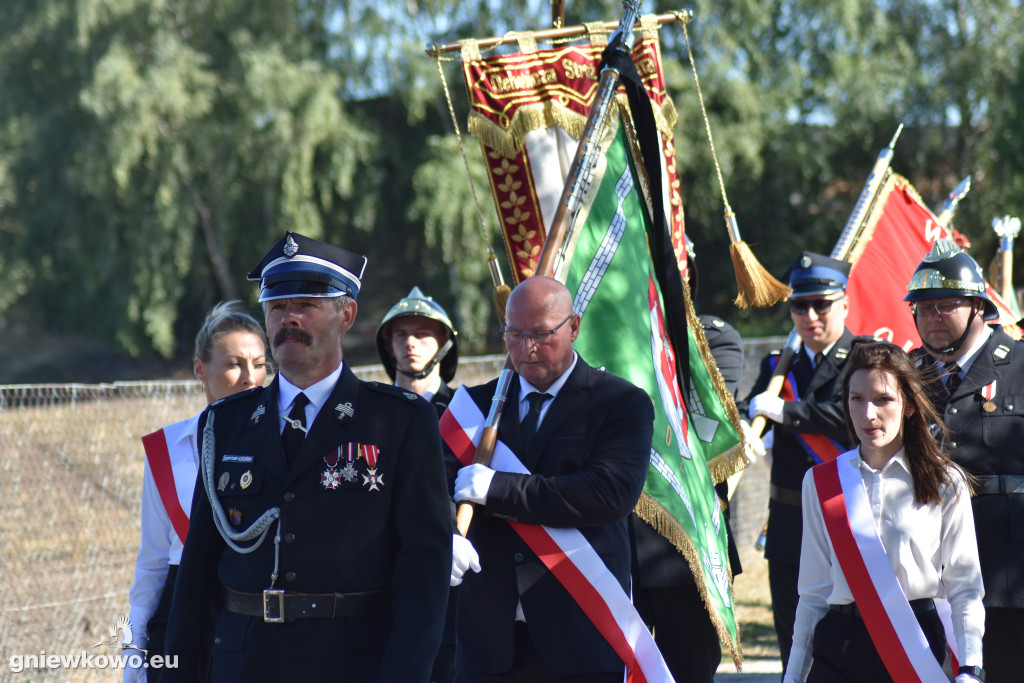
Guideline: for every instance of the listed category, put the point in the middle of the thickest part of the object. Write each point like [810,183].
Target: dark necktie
[819,358]
[529,424]
[292,437]
[953,378]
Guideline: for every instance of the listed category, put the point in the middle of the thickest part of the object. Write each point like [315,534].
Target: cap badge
[345,410]
[805,261]
[291,247]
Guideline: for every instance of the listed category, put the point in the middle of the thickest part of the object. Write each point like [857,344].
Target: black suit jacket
[820,411]
[990,442]
[589,461]
[345,540]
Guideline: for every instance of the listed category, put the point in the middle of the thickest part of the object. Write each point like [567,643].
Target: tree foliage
[151,151]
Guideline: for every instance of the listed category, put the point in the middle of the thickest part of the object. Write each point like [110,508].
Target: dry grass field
[70,480]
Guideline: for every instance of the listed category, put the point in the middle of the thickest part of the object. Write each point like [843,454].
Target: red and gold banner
[529,109]
[900,232]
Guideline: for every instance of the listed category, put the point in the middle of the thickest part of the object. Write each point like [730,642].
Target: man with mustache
[320,545]
[809,427]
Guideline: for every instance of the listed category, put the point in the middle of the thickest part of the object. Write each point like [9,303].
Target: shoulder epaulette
[393,391]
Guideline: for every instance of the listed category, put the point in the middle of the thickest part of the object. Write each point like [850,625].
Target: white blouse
[932,548]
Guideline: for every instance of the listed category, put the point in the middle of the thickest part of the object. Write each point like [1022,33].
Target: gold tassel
[756,285]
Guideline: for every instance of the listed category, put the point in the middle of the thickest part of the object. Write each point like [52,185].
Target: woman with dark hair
[230,356]
[888,529]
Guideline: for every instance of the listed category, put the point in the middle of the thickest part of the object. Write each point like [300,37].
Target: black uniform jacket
[350,539]
[986,441]
[820,411]
[589,462]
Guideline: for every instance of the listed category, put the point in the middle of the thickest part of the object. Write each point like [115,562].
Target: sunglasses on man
[820,306]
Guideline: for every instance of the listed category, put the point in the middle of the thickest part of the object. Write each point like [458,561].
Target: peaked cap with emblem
[419,304]
[300,266]
[817,275]
[948,271]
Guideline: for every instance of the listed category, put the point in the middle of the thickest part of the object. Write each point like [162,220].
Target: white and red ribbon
[370,452]
[568,555]
[887,614]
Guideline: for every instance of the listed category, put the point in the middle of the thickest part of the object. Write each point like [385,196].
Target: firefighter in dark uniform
[419,348]
[808,426]
[320,541]
[975,374]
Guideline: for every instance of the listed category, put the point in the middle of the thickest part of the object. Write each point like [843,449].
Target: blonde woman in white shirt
[888,529]
[230,356]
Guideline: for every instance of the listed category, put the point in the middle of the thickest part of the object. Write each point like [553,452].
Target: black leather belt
[784,496]
[919,606]
[278,606]
[995,484]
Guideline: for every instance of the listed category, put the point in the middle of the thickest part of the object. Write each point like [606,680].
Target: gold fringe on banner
[509,141]
[653,513]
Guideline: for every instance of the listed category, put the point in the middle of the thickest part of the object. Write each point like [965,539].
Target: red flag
[899,232]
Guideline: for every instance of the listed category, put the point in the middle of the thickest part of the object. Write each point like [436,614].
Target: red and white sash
[163,468]
[887,614]
[567,554]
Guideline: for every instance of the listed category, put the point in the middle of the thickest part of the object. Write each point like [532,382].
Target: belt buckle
[273,598]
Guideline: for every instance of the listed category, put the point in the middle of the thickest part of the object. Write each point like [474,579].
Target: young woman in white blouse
[888,529]
[230,356]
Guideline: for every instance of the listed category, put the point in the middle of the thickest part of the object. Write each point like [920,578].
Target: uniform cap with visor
[817,275]
[300,266]
[419,305]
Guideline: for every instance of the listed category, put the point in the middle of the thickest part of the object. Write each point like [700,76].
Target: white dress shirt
[159,545]
[932,548]
[317,394]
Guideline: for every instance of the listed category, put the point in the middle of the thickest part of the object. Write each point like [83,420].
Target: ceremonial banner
[623,330]
[529,109]
[898,233]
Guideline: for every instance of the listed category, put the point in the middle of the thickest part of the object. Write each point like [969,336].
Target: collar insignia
[257,414]
[345,410]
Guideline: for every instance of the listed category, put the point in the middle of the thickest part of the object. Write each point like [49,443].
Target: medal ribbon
[887,614]
[988,392]
[818,446]
[370,452]
[567,554]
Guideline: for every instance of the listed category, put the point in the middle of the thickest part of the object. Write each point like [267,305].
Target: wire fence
[71,466]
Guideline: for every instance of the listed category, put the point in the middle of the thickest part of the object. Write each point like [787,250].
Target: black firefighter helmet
[948,271]
[418,304]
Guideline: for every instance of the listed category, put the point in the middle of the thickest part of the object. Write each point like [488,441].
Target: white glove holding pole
[464,557]
[767,405]
[753,447]
[472,483]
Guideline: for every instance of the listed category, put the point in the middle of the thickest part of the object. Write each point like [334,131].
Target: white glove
[752,444]
[966,678]
[768,440]
[472,483]
[464,557]
[767,405]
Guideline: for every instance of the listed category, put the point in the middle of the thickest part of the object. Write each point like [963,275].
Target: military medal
[246,479]
[235,515]
[330,478]
[371,479]
[988,393]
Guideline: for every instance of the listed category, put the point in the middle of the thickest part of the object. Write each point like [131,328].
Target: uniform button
[796,423]
[289,538]
[289,496]
[955,444]
[518,557]
[952,411]
[290,576]
[1009,406]
[216,641]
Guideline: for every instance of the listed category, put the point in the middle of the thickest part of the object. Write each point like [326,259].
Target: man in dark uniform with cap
[807,424]
[975,375]
[321,525]
[419,348]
